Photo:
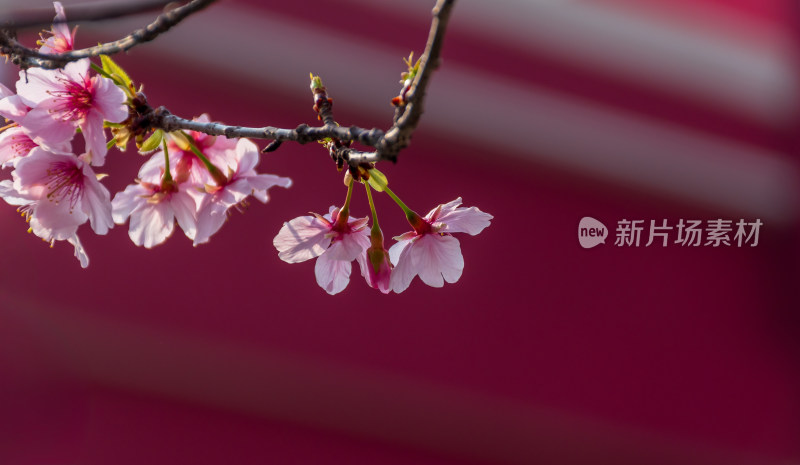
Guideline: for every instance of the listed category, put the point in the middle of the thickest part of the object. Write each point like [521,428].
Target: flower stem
[103,73]
[375,226]
[344,212]
[167,174]
[417,222]
[215,172]
[396,199]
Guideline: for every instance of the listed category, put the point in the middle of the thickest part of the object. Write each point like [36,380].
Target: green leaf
[115,70]
[153,141]
[377,180]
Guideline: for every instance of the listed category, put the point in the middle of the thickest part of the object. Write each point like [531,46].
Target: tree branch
[163,119]
[387,144]
[25,57]
[399,135]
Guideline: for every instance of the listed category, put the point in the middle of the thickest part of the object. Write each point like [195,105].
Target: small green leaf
[377,180]
[180,139]
[153,141]
[114,70]
[316,82]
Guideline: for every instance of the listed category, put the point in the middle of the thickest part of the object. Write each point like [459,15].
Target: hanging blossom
[153,206]
[187,167]
[430,250]
[60,38]
[375,264]
[335,239]
[57,193]
[232,189]
[219,176]
[65,99]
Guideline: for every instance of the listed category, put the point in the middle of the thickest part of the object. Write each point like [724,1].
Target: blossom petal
[126,201]
[60,28]
[432,216]
[246,156]
[396,250]
[46,131]
[467,220]
[96,202]
[35,84]
[11,195]
[332,275]
[12,107]
[80,253]
[14,144]
[209,221]
[32,169]
[95,138]
[349,246]
[404,270]
[377,279]
[152,224]
[184,208]
[436,256]
[76,71]
[56,221]
[108,100]
[301,239]
[261,182]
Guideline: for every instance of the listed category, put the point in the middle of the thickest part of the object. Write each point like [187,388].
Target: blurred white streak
[719,61]
[650,155]
[632,150]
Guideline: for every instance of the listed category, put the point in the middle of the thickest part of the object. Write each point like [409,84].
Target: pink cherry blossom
[14,144]
[153,209]
[334,241]
[61,39]
[57,193]
[430,251]
[241,181]
[14,139]
[65,99]
[11,105]
[376,267]
[186,166]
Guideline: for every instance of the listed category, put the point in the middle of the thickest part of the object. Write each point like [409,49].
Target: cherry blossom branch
[387,144]
[25,57]
[163,119]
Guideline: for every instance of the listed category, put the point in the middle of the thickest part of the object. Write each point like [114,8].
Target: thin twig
[26,57]
[399,135]
[387,145]
[163,119]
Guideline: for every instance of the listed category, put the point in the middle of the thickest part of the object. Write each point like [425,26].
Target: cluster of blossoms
[194,179]
[336,239]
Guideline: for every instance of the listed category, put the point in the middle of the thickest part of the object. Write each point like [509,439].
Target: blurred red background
[542,113]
